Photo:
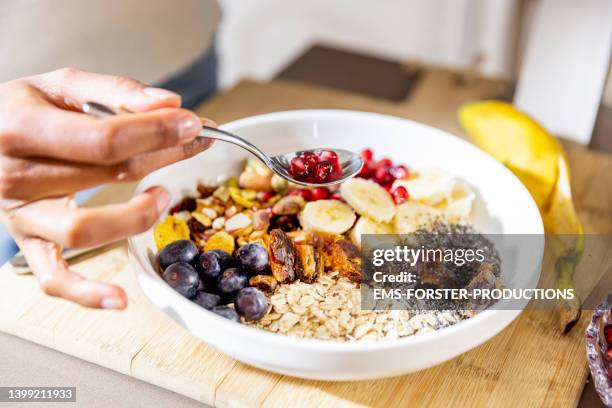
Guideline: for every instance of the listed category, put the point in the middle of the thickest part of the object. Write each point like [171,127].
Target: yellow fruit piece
[517,141]
[232,182]
[169,230]
[202,219]
[221,240]
[236,195]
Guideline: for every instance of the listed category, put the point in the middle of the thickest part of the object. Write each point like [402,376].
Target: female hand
[49,150]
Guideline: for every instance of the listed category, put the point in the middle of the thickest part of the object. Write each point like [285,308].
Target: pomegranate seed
[400,195]
[328,155]
[367,155]
[386,162]
[383,175]
[608,354]
[332,157]
[365,171]
[302,192]
[399,172]
[608,334]
[298,167]
[610,372]
[319,193]
[337,196]
[322,171]
[263,196]
[387,187]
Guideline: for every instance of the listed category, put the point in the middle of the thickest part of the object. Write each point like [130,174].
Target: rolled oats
[329,309]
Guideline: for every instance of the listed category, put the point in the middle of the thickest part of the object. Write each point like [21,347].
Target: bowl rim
[242,330]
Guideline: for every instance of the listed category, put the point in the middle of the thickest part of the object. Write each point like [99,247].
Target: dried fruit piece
[265,283]
[169,230]
[343,256]
[221,240]
[311,258]
[286,223]
[222,193]
[205,190]
[205,220]
[186,204]
[283,259]
[195,227]
[236,195]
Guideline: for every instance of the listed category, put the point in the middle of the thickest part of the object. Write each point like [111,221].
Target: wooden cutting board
[527,364]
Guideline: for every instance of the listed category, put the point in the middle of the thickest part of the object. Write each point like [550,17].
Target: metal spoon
[350,162]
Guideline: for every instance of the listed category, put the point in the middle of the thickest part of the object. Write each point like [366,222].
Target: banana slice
[460,203]
[365,225]
[412,216]
[429,187]
[369,199]
[328,216]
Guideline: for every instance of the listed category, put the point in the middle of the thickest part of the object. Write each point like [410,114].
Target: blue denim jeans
[195,84]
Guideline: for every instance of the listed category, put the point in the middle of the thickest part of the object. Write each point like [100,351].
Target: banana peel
[539,161]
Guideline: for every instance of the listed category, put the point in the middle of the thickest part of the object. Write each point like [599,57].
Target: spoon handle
[219,134]
[101,111]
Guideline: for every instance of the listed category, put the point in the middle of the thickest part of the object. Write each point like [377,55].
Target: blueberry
[251,303]
[231,281]
[227,312]
[183,278]
[207,300]
[225,259]
[208,266]
[178,251]
[253,258]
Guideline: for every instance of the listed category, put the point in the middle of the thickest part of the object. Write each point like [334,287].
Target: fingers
[45,131]
[22,178]
[58,221]
[56,279]
[71,88]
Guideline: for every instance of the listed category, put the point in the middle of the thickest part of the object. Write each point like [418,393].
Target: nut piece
[238,221]
[261,219]
[343,256]
[312,262]
[285,264]
[254,181]
[265,283]
[289,205]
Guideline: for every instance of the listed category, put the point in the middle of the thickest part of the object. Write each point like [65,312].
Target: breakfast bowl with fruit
[269,272]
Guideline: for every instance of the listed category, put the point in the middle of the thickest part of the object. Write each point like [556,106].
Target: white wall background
[259,37]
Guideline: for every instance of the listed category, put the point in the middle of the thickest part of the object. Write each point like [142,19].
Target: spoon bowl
[350,162]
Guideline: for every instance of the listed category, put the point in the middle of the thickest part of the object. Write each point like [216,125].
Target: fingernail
[111,303]
[162,199]
[188,128]
[159,93]
[208,122]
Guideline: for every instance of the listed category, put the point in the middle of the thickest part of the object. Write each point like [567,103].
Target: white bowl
[503,205]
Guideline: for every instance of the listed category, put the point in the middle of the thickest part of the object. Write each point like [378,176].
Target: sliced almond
[238,221]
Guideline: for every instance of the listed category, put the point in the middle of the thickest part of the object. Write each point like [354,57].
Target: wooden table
[529,363]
